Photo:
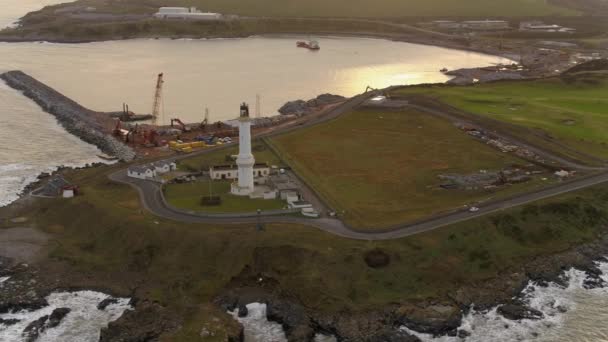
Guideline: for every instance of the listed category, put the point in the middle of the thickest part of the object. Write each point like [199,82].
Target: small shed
[54,187]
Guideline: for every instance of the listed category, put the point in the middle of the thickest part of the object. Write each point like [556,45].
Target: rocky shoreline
[76,119]
[439,317]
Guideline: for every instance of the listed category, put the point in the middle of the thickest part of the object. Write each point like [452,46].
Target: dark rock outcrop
[57,316]
[516,312]
[9,321]
[104,303]
[33,330]
[146,323]
[430,317]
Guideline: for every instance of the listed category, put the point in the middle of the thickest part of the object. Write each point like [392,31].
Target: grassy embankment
[382,167]
[382,8]
[112,242]
[188,196]
[341,8]
[571,110]
[272,17]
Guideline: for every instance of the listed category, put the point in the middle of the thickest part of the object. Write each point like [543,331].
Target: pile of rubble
[499,143]
[486,179]
[301,107]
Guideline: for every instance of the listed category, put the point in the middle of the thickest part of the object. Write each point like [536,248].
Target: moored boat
[310,45]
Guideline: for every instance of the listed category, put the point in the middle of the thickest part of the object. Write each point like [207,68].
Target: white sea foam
[82,324]
[571,313]
[259,329]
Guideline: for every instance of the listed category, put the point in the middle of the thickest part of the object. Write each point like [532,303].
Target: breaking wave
[82,324]
[570,313]
[259,329]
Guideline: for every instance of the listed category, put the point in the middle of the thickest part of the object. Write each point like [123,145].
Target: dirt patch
[377,258]
[22,244]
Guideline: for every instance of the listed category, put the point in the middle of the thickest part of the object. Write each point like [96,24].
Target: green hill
[382,8]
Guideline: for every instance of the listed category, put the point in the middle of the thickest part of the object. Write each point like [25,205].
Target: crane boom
[158,94]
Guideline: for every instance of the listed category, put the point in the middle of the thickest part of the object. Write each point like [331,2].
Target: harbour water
[219,74]
[33,142]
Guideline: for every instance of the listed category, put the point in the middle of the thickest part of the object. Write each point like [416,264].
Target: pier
[76,119]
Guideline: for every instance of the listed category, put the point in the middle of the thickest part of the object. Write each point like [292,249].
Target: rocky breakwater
[73,117]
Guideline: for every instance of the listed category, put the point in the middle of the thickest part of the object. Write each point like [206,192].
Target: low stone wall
[73,117]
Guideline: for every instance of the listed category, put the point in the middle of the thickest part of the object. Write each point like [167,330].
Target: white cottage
[142,172]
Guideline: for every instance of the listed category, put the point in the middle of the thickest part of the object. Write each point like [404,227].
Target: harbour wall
[75,118]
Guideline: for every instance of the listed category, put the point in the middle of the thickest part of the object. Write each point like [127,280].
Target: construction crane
[158,97]
[257,106]
[206,120]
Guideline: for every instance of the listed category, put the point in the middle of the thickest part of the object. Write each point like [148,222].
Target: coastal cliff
[73,117]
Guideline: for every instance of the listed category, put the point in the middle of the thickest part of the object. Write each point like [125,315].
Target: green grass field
[382,8]
[188,196]
[382,168]
[574,112]
[344,8]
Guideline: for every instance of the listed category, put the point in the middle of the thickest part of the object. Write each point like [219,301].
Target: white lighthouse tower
[245,160]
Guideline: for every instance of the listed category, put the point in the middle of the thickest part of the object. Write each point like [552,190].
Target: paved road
[150,194]
[152,199]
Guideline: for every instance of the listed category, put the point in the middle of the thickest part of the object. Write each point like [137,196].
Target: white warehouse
[185,13]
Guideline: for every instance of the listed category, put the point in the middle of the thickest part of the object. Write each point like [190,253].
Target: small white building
[185,13]
[68,193]
[141,172]
[164,167]
[539,26]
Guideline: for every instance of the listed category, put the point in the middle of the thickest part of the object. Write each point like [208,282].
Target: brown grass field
[382,168]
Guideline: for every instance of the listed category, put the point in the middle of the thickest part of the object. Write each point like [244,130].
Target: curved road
[152,198]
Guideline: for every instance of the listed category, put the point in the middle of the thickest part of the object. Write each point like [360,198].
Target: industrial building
[539,26]
[185,13]
[486,25]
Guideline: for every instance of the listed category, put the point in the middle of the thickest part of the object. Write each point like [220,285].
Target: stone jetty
[76,119]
